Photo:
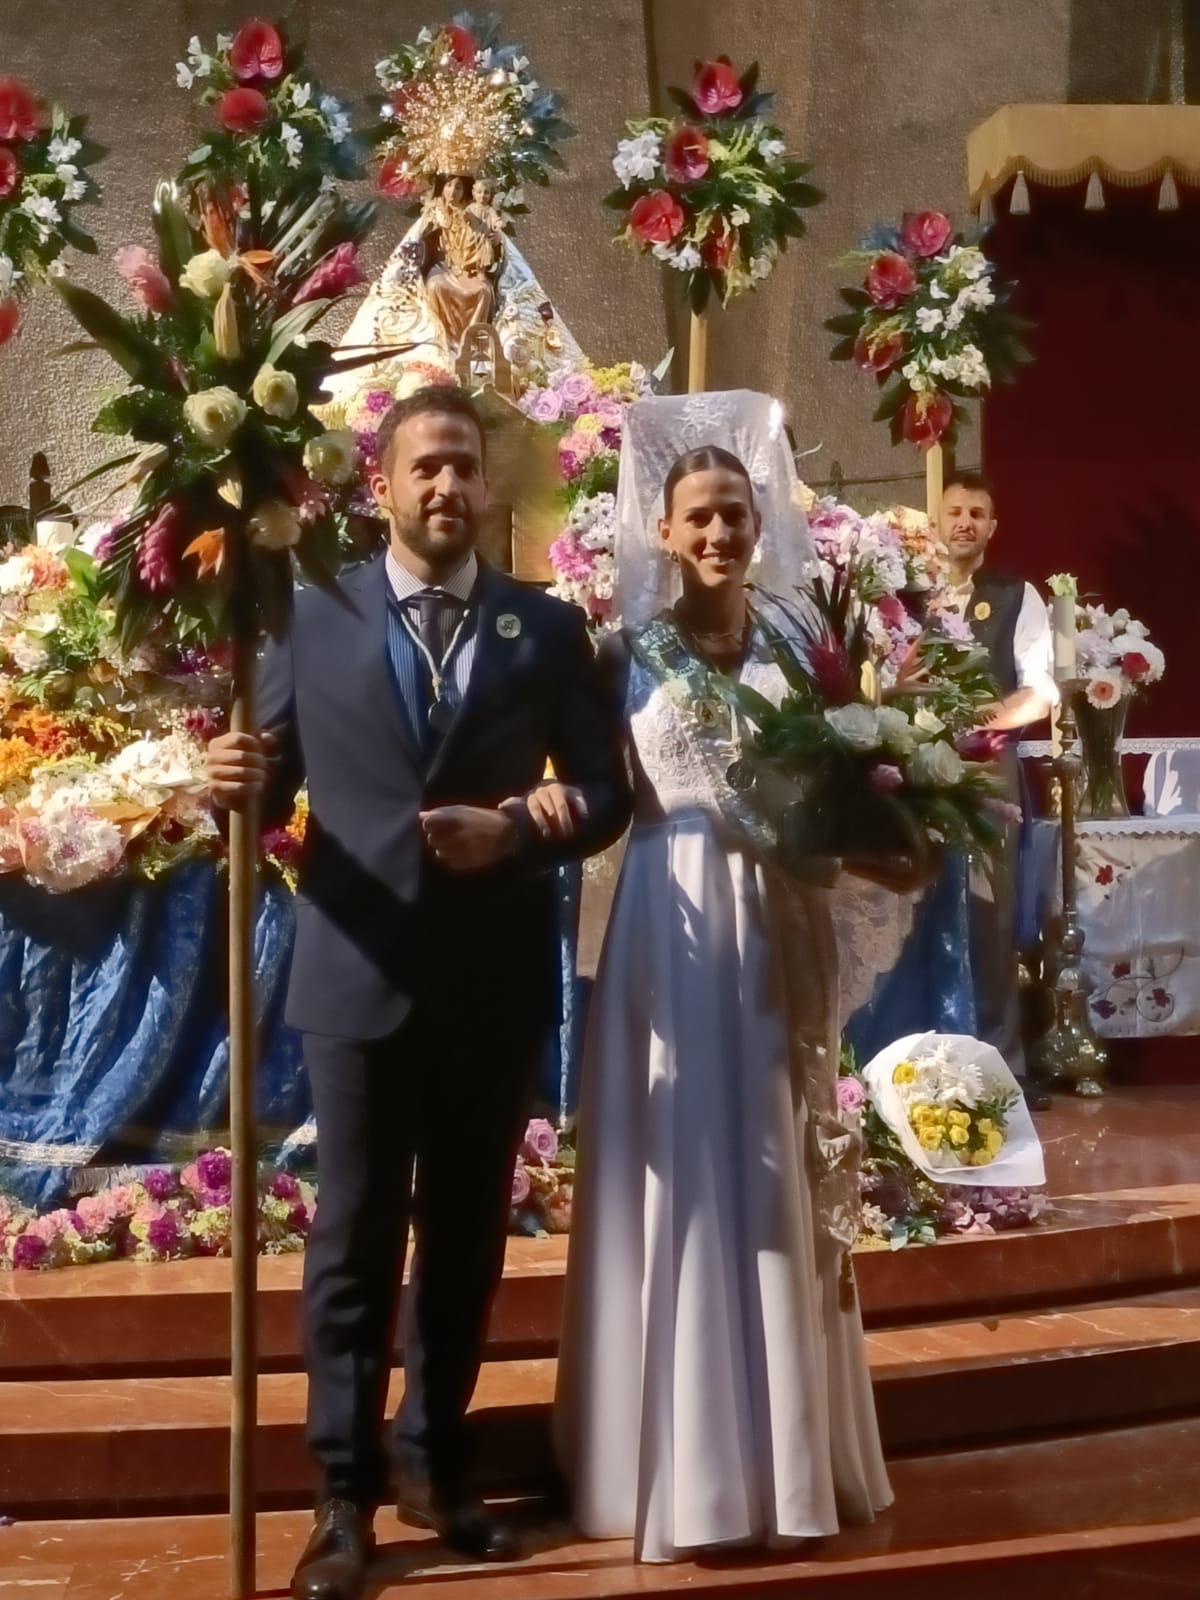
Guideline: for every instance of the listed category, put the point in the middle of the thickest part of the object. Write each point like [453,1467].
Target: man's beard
[415,534]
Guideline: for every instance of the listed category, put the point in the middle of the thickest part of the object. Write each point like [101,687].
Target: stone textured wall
[879,94]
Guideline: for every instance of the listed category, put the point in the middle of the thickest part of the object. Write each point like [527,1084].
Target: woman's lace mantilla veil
[657,432]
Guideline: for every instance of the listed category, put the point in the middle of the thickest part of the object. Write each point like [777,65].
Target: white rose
[7,275]
[275,525]
[206,274]
[332,457]
[936,765]
[215,415]
[928,721]
[895,730]
[856,725]
[275,392]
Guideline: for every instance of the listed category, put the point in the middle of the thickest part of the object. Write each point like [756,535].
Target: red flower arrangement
[931,319]
[711,194]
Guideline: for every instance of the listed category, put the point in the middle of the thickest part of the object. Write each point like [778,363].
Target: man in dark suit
[1008,617]
[420,701]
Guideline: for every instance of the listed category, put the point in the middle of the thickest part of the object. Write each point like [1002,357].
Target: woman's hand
[556,810]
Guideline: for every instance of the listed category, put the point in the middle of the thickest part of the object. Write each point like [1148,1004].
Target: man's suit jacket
[378,921]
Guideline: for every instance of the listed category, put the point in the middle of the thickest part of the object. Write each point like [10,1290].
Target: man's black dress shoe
[461,1521]
[334,1563]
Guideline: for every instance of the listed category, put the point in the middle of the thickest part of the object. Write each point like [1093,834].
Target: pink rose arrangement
[931,320]
[711,194]
[45,158]
[467,67]
[166,1215]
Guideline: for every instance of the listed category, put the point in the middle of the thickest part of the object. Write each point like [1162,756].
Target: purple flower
[28,1251]
[160,1183]
[215,1169]
[298,1218]
[954,627]
[546,406]
[378,401]
[1005,811]
[883,777]
[851,1094]
[541,1141]
[570,464]
[610,438]
[520,1184]
[285,1187]
[165,1233]
[578,391]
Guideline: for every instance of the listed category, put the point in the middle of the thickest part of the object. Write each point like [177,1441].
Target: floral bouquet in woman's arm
[43,177]
[864,758]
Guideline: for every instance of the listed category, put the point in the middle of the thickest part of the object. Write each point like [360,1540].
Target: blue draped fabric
[113,1039]
[930,986]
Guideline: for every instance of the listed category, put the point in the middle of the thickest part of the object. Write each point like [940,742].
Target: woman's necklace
[733,637]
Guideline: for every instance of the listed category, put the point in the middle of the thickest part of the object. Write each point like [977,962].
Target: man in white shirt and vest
[1008,617]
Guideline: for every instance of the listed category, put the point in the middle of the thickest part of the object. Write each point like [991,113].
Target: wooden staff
[698,353]
[243,871]
[934,467]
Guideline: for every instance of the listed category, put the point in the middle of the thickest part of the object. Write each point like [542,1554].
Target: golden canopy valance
[1062,144]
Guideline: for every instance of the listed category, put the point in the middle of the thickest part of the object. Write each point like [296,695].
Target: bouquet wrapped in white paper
[957,1110]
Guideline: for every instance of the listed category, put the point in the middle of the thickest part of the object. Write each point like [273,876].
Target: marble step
[124,1319]
[104,1446]
[1111,1516]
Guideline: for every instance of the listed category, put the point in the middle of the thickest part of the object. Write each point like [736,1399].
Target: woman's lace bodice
[672,773]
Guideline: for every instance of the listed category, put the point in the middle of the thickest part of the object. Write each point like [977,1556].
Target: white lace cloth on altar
[1137,883]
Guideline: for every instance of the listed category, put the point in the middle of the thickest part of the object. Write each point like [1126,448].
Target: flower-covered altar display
[930,322]
[712,192]
[45,158]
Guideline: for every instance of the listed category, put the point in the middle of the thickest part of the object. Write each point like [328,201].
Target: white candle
[1062,611]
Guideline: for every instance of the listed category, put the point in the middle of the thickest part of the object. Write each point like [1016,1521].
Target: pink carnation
[29,1252]
[215,1169]
[285,1187]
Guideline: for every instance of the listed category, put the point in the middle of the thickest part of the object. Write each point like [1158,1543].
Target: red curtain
[1095,450]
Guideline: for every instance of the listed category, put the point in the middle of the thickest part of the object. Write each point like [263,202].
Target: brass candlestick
[1069,1052]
